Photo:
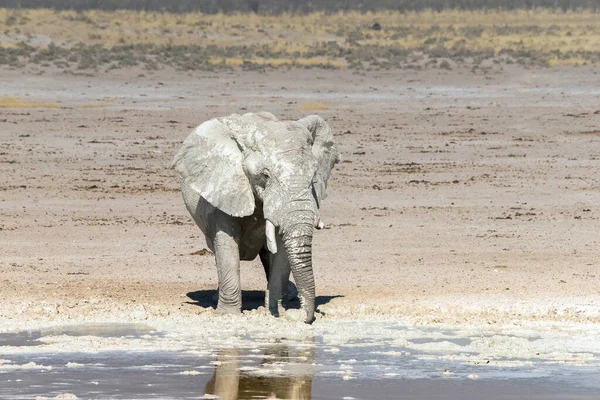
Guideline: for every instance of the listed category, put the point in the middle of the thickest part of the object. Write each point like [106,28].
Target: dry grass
[313,106]
[329,41]
[93,106]
[500,267]
[278,62]
[14,102]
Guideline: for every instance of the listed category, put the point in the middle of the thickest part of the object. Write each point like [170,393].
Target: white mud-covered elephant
[254,185]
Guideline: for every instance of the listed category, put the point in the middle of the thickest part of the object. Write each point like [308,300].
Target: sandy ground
[461,197]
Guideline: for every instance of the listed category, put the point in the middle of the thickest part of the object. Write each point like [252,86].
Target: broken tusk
[270,233]
[320,225]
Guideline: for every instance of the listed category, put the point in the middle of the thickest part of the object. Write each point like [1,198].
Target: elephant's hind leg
[227,256]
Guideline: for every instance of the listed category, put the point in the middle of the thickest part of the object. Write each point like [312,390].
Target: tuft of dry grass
[15,102]
[313,106]
[499,267]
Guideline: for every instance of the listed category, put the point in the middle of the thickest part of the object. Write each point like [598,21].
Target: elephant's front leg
[279,277]
[290,292]
[227,256]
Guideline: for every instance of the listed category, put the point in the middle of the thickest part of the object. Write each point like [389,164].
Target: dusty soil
[460,197]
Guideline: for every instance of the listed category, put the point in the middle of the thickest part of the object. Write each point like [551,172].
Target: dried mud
[461,197]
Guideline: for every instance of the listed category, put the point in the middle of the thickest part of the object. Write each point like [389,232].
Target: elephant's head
[241,163]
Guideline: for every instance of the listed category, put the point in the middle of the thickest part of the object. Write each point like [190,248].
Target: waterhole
[125,361]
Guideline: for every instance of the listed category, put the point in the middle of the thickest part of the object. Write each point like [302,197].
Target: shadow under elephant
[284,372]
[251,299]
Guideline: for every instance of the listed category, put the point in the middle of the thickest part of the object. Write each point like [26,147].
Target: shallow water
[336,362]
[30,338]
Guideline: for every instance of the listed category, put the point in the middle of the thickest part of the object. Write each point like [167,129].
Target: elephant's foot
[295,314]
[231,310]
[228,303]
[228,307]
[274,305]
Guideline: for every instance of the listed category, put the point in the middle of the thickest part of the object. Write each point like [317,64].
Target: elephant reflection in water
[284,373]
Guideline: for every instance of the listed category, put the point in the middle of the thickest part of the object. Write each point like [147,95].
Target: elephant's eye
[262,177]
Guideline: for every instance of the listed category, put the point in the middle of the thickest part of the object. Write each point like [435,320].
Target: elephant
[254,185]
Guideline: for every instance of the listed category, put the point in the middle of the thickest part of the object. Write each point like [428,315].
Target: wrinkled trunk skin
[297,240]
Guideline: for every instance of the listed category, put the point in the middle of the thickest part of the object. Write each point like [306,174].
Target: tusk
[271,241]
[320,224]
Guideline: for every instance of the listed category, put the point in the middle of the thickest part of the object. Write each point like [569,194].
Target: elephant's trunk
[297,241]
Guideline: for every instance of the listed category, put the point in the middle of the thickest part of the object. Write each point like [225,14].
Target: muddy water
[336,362]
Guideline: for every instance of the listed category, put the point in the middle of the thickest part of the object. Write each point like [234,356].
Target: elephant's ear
[324,151]
[210,163]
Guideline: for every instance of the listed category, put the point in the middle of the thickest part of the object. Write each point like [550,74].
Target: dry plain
[461,248]
[462,197]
